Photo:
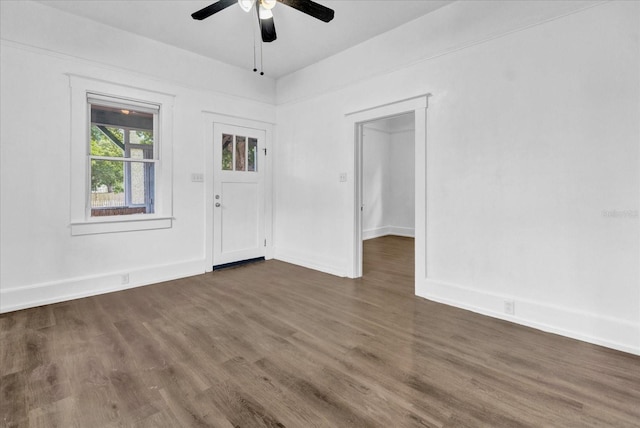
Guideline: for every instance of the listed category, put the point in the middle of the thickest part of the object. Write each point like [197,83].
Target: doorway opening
[388,183]
[356,123]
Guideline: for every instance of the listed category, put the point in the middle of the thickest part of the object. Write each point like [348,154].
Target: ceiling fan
[265,16]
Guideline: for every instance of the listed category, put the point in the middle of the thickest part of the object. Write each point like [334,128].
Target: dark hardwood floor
[272,344]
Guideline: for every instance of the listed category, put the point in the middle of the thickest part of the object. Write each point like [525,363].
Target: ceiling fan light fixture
[264,13]
[268,4]
[246,5]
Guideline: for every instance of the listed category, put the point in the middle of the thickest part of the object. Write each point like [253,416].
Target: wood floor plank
[62,413]
[291,410]
[186,412]
[13,400]
[240,409]
[271,344]
[318,398]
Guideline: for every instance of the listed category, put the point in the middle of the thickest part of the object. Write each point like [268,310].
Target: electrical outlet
[343,177]
[125,278]
[509,307]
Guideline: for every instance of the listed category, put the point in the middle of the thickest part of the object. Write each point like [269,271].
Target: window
[120,158]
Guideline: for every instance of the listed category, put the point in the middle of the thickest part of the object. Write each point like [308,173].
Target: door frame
[210,119]
[355,122]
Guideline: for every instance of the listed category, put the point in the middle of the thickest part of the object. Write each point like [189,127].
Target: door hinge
[265,242]
[265,151]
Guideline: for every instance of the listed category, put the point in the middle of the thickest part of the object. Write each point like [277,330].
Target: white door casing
[239,194]
[354,121]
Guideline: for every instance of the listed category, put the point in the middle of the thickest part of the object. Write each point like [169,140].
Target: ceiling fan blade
[212,8]
[267,28]
[311,8]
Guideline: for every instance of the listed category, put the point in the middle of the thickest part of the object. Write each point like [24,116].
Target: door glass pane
[252,155]
[227,152]
[241,153]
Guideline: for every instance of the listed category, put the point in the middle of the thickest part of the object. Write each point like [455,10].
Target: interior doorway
[356,122]
[388,179]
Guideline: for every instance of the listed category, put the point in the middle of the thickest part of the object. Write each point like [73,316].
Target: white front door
[238,186]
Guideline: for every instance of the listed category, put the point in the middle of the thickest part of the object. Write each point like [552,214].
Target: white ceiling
[228,36]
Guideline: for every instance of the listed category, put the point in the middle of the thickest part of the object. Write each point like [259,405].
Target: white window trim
[81,221]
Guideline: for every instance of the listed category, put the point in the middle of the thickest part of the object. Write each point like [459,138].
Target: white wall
[532,133]
[375,182]
[401,213]
[388,181]
[40,261]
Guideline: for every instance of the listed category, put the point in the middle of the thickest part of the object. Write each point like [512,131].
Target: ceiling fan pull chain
[254,49]
[261,63]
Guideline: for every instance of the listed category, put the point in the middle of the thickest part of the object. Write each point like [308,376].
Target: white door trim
[209,118]
[354,122]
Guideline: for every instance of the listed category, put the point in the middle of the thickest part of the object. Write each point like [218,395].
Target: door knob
[217,204]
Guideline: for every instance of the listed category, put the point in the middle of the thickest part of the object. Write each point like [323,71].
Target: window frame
[127,160]
[82,90]
[234,154]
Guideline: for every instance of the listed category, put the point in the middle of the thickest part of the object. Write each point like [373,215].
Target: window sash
[122,159]
[148,183]
[127,159]
[121,103]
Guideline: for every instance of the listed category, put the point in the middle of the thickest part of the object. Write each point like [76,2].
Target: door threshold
[238,263]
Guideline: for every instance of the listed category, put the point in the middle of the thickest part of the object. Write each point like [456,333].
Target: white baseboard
[588,327]
[388,230]
[30,296]
[605,331]
[311,261]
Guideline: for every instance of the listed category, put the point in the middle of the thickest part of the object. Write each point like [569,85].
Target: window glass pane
[107,141]
[137,177]
[227,152]
[252,155]
[113,129]
[107,184]
[147,184]
[137,136]
[240,153]
[122,187]
[124,117]
[136,153]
